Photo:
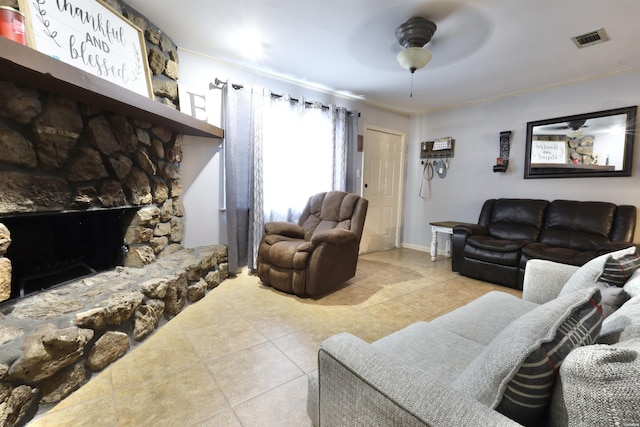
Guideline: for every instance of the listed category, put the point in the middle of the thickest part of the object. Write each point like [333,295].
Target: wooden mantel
[24,65]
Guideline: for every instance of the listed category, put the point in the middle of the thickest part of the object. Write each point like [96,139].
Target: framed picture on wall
[584,145]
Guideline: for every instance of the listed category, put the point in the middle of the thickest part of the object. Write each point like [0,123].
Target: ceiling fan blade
[438,11]
[461,30]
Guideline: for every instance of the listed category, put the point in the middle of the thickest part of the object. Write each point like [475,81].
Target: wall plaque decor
[89,35]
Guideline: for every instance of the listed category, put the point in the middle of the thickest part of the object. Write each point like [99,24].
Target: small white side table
[442,227]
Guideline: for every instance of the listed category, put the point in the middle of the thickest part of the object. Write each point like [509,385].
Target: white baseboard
[427,249]
[416,247]
[420,248]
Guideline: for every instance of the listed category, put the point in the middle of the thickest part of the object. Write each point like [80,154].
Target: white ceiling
[482,49]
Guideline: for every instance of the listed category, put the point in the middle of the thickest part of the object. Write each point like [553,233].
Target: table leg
[434,243]
[448,245]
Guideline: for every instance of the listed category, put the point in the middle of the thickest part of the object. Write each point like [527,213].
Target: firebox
[53,248]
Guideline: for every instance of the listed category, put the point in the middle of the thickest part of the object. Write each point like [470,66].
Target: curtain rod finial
[217,84]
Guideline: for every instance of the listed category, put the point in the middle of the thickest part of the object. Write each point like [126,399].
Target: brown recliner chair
[320,253]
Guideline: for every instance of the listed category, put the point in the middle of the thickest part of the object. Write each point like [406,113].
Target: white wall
[202,193]
[201,166]
[470,179]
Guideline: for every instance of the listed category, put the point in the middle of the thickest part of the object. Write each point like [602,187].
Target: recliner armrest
[334,235]
[283,228]
[351,371]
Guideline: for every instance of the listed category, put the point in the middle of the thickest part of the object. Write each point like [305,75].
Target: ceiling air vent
[590,38]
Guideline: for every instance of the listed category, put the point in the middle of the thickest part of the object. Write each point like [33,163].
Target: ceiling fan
[413,34]
[574,125]
[573,128]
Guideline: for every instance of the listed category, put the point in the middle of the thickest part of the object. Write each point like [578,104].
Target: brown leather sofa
[320,253]
[512,231]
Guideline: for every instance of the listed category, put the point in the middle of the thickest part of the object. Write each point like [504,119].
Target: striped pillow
[528,393]
[616,272]
[516,372]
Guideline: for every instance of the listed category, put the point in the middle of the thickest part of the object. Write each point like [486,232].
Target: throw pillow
[600,385]
[617,271]
[515,373]
[622,325]
[587,275]
[632,287]
[612,298]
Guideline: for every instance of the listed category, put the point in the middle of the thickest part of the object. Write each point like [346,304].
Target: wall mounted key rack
[440,148]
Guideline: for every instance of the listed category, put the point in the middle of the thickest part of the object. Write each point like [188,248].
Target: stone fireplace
[91,220]
[64,155]
[59,158]
[85,190]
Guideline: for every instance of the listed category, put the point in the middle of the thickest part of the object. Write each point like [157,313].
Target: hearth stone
[52,342]
[196,291]
[5,278]
[15,402]
[46,351]
[108,348]
[61,384]
[147,318]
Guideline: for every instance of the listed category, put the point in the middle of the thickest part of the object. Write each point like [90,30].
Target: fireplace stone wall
[57,155]
[60,155]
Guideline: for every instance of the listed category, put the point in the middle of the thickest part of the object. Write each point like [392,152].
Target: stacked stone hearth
[52,342]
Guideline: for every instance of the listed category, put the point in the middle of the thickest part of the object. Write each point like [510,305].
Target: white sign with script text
[548,151]
[89,35]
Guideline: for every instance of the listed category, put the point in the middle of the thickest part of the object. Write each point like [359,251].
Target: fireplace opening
[54,248]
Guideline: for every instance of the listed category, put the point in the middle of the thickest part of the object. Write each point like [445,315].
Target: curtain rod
[219,84]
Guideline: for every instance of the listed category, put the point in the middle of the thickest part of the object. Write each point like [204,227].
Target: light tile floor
[239,357]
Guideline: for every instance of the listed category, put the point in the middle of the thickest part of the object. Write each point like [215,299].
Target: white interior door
[382,186]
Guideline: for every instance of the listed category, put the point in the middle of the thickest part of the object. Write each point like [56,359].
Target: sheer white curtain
[298,156]
[278,152]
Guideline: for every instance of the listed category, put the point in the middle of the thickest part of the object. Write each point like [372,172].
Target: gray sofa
[547,358]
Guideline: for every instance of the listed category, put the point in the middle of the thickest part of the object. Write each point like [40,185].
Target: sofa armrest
[543,279]
[282,228]
[361,386]
[459,240]
[470,229]
[613,246]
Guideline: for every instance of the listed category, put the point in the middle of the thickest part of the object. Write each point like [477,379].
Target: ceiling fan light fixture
[414,58]
[413,35]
